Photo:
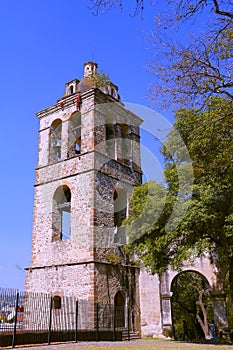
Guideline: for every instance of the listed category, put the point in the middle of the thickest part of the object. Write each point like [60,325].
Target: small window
[57,302]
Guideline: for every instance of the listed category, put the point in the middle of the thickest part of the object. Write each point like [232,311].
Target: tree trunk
[231,280]
[203,324]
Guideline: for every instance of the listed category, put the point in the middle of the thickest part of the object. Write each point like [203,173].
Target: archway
[61,216]
[119,306]
[191,306]
[120,213]
[55,139]
[74,135]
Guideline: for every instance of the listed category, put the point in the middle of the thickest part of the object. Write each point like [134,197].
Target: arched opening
[120,206]
[61,213]
[56,302]
[55,141]
[78,145]
[71,89]
[120,213]
[74,135]
[119,306]
[191,304]
[110,136]
[126,144]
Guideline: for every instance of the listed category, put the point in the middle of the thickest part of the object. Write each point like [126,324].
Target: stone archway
[119,306]
[204,267]
[191,306]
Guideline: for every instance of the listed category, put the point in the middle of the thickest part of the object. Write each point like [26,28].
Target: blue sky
[44,44]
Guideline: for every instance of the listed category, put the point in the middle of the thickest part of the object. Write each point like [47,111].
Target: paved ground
[132,345]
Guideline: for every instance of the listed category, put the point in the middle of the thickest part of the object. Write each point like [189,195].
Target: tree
[106,5]
[189,70]
[207,226]
[191,302]
[189,73]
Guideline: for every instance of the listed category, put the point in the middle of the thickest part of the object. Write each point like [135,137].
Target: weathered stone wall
[46,252]
[150,304]
[68,280]
[111,278]
[80,266]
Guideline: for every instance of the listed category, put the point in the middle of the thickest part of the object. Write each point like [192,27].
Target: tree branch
[221,12]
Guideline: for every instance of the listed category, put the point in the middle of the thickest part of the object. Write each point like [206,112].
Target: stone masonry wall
[68,267]
[150,304]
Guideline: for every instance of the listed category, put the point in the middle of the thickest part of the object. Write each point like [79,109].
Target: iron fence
[34,318]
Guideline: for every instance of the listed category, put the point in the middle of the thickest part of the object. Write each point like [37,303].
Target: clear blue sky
[44,44]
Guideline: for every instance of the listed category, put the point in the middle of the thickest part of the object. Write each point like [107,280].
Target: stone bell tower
[88,163]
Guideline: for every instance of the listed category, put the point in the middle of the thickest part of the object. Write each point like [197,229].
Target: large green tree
[203,219]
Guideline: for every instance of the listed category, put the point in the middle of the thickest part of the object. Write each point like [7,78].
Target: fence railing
[30,318]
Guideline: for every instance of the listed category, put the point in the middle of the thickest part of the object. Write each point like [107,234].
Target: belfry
[88,163]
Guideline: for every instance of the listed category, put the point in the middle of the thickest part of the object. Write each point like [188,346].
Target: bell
[58,144]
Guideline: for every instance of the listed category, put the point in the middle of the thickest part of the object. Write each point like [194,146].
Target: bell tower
[88,163]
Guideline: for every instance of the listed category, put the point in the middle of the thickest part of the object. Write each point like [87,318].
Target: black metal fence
[35,318]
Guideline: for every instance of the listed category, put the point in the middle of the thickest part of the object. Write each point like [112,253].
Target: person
[185,330]
[212,331]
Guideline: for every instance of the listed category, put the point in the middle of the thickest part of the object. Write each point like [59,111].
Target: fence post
[76,322]
[97,321]
[128,322]
[15,323]
[50,320]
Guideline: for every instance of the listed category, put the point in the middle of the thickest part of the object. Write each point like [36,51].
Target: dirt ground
[132,345]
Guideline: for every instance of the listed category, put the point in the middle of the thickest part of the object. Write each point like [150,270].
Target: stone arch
[74,134]
[120,212]
[119,309]
[204,267]
[120,205]
[191,269]
[110,138]
[121,289]
[61,226]
[55,137]
[191,305]
[126,144]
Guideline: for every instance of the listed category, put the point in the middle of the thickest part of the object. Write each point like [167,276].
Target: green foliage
[100,79]
[112,258]
[208,220]
[229,302]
